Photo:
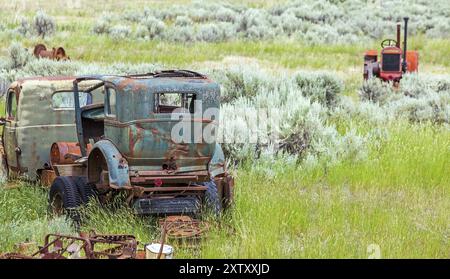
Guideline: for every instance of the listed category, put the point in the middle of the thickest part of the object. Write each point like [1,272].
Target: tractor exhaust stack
[398,34]
[405,47]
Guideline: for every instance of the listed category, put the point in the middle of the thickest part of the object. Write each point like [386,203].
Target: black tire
[84,188]
[64,197]
[212,201]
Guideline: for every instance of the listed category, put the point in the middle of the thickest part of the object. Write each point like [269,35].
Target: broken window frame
[70,92]
[187,99]
[12,114]
[108,111]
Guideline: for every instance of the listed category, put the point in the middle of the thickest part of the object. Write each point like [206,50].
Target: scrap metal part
[85,246]
[40,51]
[183,229]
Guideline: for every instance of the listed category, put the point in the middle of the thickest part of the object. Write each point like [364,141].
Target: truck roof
[147,79]
[52,78]
[163,79]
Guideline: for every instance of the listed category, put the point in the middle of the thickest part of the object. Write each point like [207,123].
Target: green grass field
[398,199]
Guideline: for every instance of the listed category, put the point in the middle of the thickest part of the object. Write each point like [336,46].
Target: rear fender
[105,155]
[224,181]
[217,163]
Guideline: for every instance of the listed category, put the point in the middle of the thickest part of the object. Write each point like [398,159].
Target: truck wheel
[84,188]
[213,202]
[64,197]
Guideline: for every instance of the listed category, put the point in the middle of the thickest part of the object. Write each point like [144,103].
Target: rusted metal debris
[132,152]
[182,229]
[59,53]
[84,246]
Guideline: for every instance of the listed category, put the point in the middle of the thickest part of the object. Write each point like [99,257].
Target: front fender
[105,154]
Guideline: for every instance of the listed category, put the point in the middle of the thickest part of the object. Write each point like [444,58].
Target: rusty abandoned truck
[101,135]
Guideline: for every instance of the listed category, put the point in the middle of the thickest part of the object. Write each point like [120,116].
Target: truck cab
[38,112]
[150,136]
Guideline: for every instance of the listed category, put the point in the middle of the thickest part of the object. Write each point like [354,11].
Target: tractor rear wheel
[64,197]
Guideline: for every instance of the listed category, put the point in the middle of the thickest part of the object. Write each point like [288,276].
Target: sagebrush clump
[18,56]
[154,27]
[418,98]
[322,87]
[103,24]
[120,32]
[375,90]
[24,27]
[44,25]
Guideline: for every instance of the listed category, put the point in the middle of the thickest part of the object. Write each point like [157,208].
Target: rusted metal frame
[164,192]
[144,179]
[44,250]
[157,195]
[111,237]
[64,248]
[169,73]
[118,124]
[117,251]
[78,109]
[92,88]
[169,173]
[181,228]
[122,242]
[131,242]
[78,118]
[173,189]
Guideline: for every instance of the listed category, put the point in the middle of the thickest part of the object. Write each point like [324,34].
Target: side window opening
[11,108]
[111,102]
[65,100]
[168,102]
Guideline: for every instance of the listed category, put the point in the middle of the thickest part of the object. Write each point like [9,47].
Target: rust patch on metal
[183,230]
[58,54]
[66,152]
[47,177]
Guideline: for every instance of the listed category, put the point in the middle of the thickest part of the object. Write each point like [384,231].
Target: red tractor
[393,60]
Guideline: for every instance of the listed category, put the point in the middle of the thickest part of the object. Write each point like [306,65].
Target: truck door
[11,149]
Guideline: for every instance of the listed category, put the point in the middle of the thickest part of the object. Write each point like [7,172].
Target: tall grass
[397,199]
[24,216]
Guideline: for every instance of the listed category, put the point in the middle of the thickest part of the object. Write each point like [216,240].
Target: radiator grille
[391,62]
